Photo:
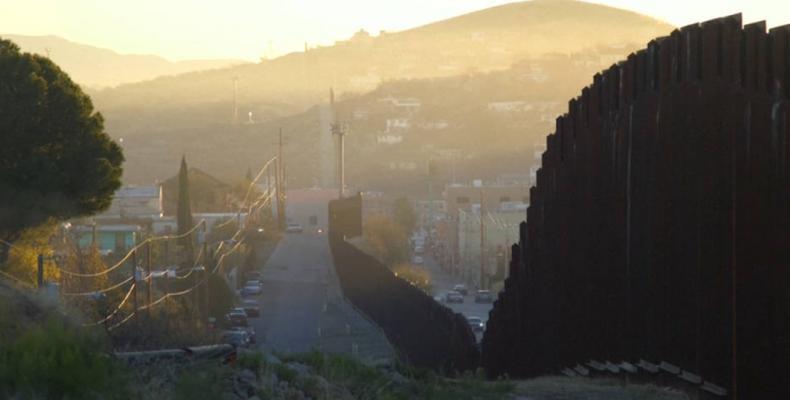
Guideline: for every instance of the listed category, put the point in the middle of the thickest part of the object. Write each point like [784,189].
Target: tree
[56,160]
[387,240]
[404,214]
[184,212]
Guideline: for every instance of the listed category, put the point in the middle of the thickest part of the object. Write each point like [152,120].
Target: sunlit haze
[250,29]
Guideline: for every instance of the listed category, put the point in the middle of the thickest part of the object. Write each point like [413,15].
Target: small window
[462,200]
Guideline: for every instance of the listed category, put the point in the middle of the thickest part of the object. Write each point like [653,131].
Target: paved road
[302,306]
[442,282]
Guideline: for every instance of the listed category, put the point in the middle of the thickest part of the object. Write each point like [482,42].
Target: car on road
[252,288]
[294,228]
[253,282]
[417,260]
[453,297]
[236,338]
[484,296]
[461,288]
[251,308]
[248,329]
[419,249]
[475,323]
[236,317]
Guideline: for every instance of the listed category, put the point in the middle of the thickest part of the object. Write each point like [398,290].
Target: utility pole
[280,185]
[339,130]
[134,279]
[206,259]
[482,242]
[40,279]
[148,272]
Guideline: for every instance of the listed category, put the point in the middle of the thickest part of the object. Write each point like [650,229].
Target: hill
[456,67]
[472,126]
[481,41]
[96,67]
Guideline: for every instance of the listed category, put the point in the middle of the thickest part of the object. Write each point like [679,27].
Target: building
[463,197]
[464,200]
[109,239]
[500,230]
[397,124]
[135,202]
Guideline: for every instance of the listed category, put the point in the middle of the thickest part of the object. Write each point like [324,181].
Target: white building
[135,202]
[398,124]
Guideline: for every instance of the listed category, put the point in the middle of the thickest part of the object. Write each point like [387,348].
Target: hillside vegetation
[532,51]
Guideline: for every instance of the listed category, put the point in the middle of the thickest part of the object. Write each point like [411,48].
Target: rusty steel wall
[660,219]
[425,333]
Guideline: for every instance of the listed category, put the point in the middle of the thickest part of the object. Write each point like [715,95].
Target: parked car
[248,329]
[252,288]
[476,324]
[453,297]
[251,308]
[253,282]
[484,296]
[419,249]
[236,338]
[294,228]
[417,260]
[461,288]
[236,317]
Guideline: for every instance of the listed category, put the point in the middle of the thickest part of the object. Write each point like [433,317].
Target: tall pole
[40,277]
[148,272]
[134,279]
[482,242]
[280,176]
[206,259]
[277,190]
[339,130]
[342,162]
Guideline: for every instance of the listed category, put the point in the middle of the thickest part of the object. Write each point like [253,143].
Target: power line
[129,254]
[105,290]
[117,309]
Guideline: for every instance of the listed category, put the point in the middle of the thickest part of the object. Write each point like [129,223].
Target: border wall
[424,332]
[659,226]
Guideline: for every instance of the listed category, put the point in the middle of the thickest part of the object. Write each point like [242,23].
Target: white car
[294,228]
[252,288]
[417,260]
[476,323]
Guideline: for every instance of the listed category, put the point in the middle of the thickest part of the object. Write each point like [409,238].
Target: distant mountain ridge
[97,67]
[485,40]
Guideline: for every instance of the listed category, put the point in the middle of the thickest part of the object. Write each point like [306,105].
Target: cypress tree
[184,212]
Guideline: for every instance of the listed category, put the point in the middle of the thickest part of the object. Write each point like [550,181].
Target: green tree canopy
[56,161]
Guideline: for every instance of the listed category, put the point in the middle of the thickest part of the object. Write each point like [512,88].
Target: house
[109,239]
[135,202]
[397,124]
[389,139]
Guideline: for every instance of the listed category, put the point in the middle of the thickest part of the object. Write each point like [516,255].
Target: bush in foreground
[57,361]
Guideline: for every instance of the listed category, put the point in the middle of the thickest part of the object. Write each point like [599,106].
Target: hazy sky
[248,29]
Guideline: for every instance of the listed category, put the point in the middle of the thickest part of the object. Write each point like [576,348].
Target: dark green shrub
[58,361]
